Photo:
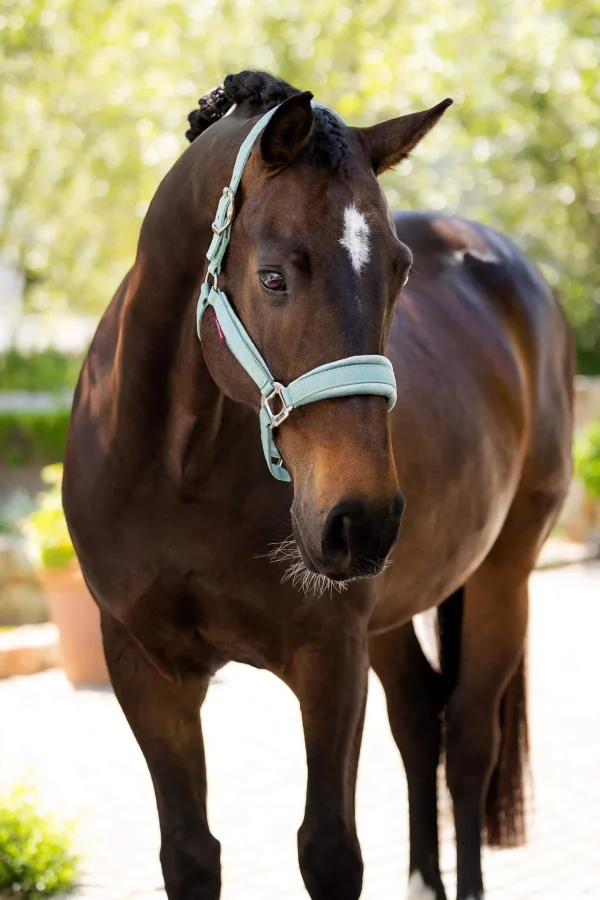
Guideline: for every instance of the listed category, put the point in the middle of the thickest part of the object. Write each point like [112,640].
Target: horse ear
[390,142]
[287,131]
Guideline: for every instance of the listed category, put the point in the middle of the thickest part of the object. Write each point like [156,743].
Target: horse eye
[273,281]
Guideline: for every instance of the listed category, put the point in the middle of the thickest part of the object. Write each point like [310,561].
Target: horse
[196,555]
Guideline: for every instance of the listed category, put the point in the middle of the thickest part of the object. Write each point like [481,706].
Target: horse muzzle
[355,540]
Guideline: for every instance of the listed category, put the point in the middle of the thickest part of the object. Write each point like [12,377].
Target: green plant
[587,460]
[47,526]
[33,436]
[48,370]
[36,850]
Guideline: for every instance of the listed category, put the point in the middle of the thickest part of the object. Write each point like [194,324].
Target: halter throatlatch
[341,378]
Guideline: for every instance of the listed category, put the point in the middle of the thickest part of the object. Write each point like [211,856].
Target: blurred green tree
[94,99]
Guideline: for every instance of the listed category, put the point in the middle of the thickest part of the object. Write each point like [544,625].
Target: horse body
[448,346]
[478,331]
[173,512]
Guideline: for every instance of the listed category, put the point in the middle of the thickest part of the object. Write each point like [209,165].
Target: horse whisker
[313,582]
[283,550]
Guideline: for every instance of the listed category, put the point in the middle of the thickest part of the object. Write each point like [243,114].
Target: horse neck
[165,398]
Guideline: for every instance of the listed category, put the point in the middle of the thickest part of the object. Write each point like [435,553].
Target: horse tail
[505,808]
[505,805]
[450,614]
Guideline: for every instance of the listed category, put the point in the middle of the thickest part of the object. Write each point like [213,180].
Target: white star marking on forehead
[356,237]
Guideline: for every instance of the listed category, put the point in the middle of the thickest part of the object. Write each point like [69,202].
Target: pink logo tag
[221,335]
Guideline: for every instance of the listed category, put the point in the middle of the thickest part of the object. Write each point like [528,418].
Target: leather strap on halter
[341,378]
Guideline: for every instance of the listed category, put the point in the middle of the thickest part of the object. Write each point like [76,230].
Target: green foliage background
[94,98]
[28,437]
[48,370]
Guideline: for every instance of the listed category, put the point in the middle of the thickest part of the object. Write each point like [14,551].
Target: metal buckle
[276,417]
[230,211]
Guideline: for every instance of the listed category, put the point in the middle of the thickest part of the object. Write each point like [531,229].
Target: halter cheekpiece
[341,378]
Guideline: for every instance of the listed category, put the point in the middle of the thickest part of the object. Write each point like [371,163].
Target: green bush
[45,371]
[35,436]
[588,361]
[36,851]
[587,460]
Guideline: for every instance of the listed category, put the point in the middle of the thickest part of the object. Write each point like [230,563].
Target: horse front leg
[329,677]
[165,719]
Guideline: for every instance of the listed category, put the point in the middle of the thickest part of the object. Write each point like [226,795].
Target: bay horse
[197,556]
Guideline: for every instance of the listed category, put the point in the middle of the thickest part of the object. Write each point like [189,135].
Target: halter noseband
[341,378]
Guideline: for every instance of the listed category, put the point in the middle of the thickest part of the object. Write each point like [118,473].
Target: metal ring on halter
[230,211]
[215,278]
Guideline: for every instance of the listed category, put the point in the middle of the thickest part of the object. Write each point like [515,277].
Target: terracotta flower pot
[74,612]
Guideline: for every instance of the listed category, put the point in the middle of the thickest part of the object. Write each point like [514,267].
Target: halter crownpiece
[342,378]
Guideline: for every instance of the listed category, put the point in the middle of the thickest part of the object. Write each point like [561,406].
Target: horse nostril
[397,507]
[357,537]
[336,537]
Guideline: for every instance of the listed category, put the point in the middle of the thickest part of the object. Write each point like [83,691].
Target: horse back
[497,310]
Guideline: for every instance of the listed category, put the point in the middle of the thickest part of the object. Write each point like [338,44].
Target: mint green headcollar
[341,378]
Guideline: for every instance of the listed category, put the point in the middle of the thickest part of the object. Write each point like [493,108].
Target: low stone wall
[21,598]
[580,518]
[587,401]
[29,649]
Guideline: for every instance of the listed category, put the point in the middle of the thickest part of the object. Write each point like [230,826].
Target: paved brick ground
[77,746]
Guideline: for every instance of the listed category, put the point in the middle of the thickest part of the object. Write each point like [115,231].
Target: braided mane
[260,90]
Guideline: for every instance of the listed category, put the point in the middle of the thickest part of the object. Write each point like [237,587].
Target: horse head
[313,271]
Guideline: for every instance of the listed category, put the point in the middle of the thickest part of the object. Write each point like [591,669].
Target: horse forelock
[256,92]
